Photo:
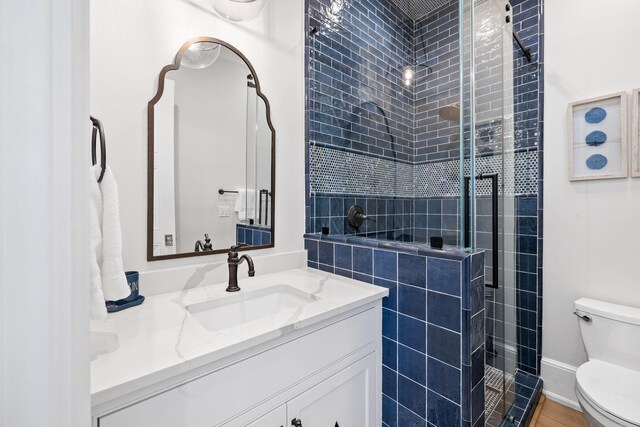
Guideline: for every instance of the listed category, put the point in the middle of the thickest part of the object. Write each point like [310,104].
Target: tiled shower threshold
[527,392]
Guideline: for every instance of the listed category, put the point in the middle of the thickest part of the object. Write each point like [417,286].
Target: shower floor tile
[494,391]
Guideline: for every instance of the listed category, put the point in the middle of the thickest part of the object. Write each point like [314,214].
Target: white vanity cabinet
[344,400]
[326,374]
[275,418]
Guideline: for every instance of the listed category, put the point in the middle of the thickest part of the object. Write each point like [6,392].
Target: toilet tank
[613,334]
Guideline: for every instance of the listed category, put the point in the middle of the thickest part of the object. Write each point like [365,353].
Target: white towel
[98,309]
[106,243]
[114,281]
[246,204]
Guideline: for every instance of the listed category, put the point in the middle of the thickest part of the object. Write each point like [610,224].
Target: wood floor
[551,414]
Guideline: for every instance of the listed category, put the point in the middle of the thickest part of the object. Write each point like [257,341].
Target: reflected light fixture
[200,55]
[407,75]
[239,10]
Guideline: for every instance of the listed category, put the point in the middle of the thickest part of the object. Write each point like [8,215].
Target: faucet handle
[233,251]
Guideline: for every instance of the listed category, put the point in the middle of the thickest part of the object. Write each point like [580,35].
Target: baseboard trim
[561,400]
[560,382]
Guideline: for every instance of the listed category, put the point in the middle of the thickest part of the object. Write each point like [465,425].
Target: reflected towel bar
[221,191]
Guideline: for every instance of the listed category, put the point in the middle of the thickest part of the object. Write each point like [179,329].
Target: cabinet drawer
[220,395]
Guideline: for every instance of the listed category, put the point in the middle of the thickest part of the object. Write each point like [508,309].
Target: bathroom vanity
[299,347]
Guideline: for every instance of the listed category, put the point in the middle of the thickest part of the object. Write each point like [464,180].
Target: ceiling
[418,8]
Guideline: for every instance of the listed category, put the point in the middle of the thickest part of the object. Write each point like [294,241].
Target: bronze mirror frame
[150,151]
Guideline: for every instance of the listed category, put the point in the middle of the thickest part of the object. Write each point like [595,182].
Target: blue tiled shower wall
[393,216]
[357,103]
[433,325]
[253,235]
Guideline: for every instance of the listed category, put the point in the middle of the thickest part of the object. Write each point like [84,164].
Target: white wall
[132,41]
[591,229]
[210,148]
[44,150]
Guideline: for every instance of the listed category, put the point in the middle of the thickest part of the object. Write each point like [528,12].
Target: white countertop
[160,339]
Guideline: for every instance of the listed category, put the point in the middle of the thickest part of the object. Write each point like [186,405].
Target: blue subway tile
[386,265]
[477,265]
[477,295]
[389,353]
[412,333]
[443,310]
[443,379]
[465,395]
[363,260]
[477,331]
[391,301]
[362,277]
[406,418]
[412,301]
[412,396]
[343,257]
[477,366]
[443,345]
[443,276]
[412,270]
[389,382]
[325,253]
[412,364]
[312,249]
[442,412]
[477,401]
[389,324]
[389,411]
[322,206]
[327,268]
[337,206]
[344,273]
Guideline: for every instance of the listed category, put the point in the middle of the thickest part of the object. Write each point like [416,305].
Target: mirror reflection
[212,154]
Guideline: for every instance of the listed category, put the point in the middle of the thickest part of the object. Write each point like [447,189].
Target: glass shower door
[488,176]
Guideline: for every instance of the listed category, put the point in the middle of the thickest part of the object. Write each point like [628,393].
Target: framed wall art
[598,138]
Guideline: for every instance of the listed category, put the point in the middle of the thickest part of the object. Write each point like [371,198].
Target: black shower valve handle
[367,218]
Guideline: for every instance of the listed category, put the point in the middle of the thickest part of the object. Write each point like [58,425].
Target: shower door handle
[494,220]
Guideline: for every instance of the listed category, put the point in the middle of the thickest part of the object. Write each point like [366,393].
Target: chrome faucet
[233,262]
[206,247]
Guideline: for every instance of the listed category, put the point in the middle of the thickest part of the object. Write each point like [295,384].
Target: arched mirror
[211,155]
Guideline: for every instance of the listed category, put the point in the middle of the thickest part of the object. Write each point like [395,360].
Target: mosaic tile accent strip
[342,172]
[442,178]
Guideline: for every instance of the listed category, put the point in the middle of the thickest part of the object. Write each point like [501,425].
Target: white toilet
[608,385]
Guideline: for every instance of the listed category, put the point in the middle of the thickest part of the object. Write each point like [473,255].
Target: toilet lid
[612,388]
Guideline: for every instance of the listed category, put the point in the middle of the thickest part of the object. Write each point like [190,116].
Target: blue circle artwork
[595,115]
[597,162]
[595,138]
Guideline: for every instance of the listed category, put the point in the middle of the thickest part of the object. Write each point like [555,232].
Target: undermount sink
[244,307]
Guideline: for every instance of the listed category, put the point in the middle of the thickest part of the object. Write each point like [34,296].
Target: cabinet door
[347,399]
[275,418]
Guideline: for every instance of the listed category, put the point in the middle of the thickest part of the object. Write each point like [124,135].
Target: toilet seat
[612,390]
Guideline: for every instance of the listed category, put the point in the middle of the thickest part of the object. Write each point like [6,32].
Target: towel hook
[97,128]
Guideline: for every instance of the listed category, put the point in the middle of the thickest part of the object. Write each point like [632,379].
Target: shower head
[450,112]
